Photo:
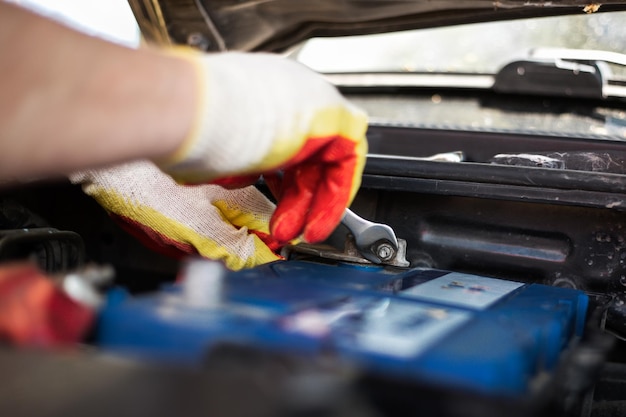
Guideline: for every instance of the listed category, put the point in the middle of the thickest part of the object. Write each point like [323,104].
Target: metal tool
[349,254]
[455,156]
[377,242]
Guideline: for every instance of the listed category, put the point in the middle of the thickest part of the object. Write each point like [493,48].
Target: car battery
[441,328]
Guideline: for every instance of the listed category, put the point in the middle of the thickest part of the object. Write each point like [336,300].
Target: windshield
[472,48]
[474,51]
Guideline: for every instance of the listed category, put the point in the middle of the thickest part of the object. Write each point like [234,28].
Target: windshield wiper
[554,72]
[563,73]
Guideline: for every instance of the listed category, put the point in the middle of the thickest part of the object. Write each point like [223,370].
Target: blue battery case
[443,328]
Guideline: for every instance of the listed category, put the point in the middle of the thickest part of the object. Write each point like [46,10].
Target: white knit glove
[265,114]
[220,224]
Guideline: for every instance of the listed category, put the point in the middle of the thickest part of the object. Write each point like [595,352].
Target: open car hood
[276,25]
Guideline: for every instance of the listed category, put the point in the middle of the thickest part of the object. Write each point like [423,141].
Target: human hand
[265,114]
[177,220]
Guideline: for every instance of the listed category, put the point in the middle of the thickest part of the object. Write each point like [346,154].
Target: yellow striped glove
[262,114]
[177,220]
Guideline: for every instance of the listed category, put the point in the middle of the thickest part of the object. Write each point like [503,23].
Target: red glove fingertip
[318,228]
[333,195]
[316,191]
[298,188]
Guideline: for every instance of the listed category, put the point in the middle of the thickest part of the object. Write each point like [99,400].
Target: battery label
[390,327]
[406,330]
[464,290]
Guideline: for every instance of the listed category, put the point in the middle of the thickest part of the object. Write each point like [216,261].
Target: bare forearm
[70,101]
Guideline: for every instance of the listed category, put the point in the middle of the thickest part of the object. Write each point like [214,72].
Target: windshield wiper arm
[560,72]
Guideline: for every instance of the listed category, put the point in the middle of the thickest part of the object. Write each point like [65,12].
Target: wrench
[376,242]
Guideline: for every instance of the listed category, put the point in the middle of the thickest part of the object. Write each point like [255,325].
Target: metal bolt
[385,251]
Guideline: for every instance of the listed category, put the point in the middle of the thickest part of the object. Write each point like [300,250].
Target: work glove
[178,220]
[265,114]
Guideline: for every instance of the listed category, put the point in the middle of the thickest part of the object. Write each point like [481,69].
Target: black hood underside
[276,25]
